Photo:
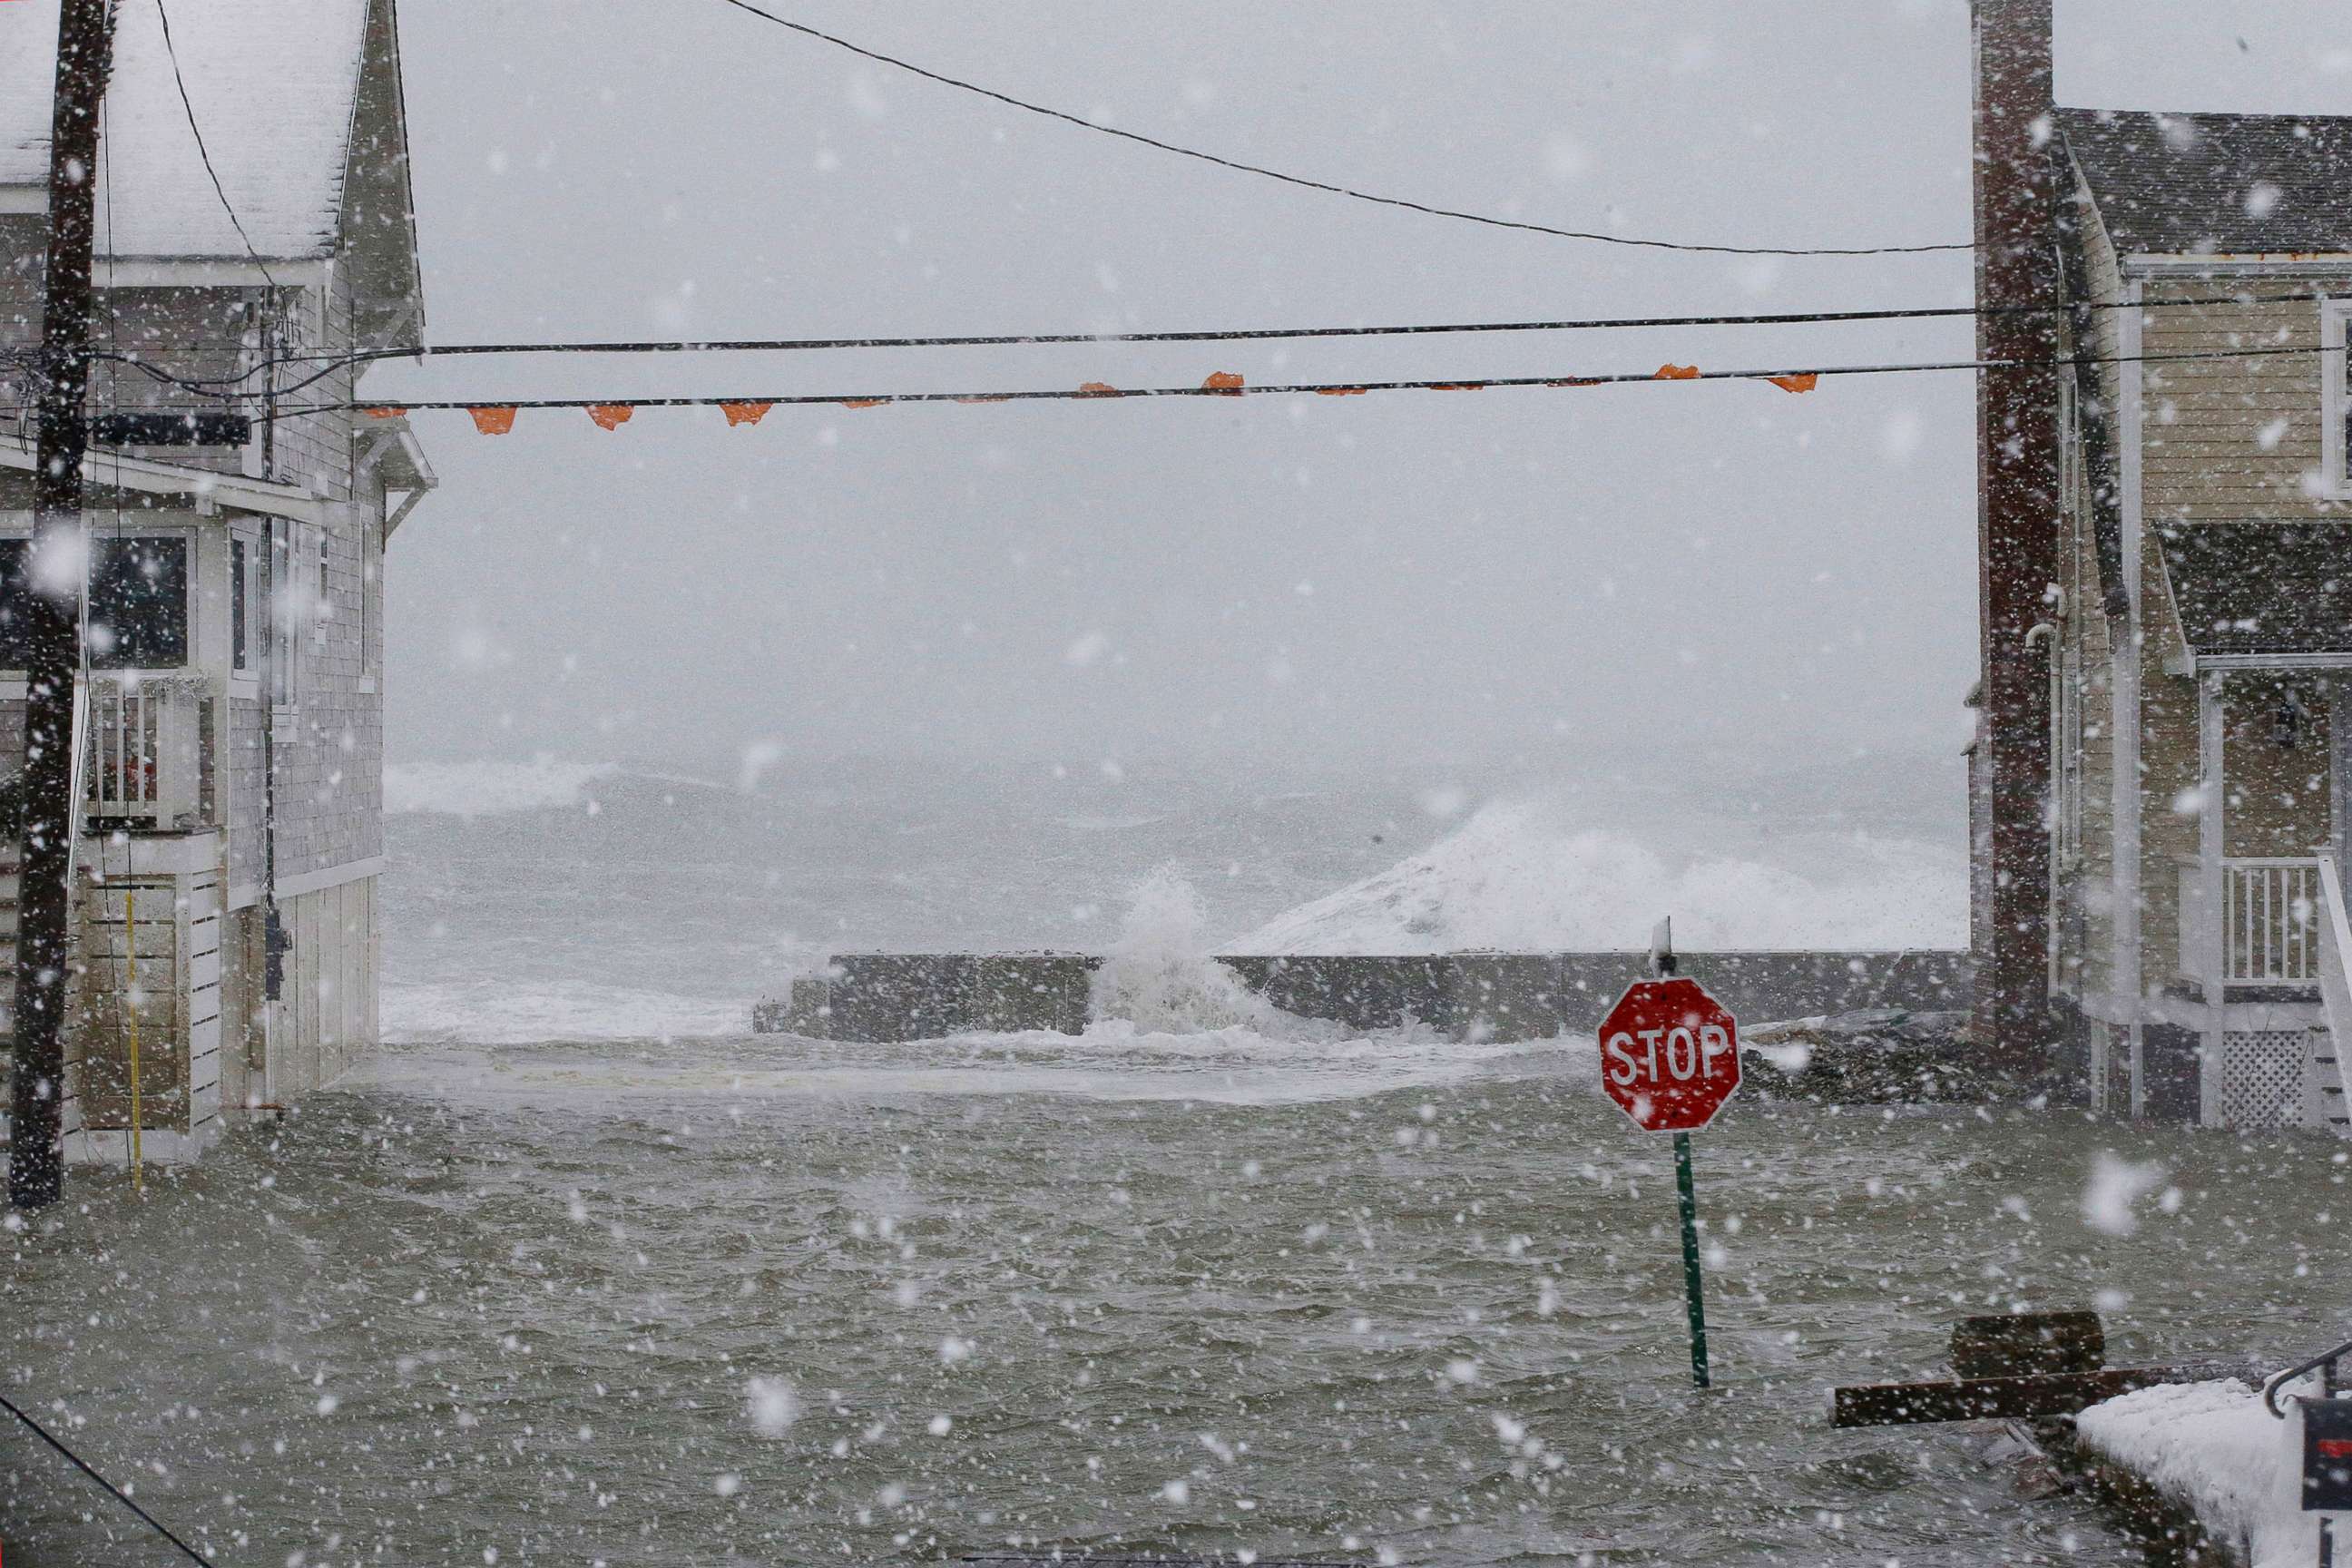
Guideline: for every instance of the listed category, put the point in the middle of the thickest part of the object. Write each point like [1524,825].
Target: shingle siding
[331,741]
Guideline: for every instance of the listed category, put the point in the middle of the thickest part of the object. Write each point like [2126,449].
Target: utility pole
[44,901]
[2017,517]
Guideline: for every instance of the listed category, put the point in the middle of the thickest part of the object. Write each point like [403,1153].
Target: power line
[114,1491]
[336,361]
[173,54]
[1232,386]
[1336,190]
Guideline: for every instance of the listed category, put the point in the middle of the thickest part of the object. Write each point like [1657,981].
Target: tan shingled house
[232,767]
[2200,802]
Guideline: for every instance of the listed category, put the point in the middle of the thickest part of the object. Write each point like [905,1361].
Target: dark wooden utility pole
[2017,517]
[44,931]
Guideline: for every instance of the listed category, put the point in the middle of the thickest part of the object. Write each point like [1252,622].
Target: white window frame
[322,594]
[247,682]
[19,525]
[2334,399]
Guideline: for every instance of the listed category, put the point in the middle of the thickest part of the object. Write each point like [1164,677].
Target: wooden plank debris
[1988,1398]
[2021,1345]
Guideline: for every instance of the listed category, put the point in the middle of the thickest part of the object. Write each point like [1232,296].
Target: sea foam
[489,788]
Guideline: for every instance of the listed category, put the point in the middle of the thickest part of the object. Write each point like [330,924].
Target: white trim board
[2335,399]
[2279,264]
[245,895]
[147,477]
[2205,661]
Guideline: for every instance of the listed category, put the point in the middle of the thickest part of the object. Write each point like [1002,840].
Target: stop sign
[1669,1055]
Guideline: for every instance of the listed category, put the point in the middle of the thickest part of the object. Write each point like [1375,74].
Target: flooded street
[763,1301]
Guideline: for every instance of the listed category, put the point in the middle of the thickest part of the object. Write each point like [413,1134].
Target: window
[138,603]
[236,604]
[2335,398]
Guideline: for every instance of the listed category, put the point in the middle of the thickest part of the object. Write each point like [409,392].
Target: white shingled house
[232,775]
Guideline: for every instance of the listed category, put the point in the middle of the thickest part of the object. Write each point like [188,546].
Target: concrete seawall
[882,996]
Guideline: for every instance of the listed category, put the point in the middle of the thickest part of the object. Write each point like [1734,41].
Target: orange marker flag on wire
[1339,392]
[610,415]
[493,420]
[1224,382]
[1803,381]
[389,411]
[1676,373]
[1099,389]
[863,401]
[745,412]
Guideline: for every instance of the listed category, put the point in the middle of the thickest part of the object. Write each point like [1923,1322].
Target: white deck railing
[147,742]
[2269,921]
[2270,915]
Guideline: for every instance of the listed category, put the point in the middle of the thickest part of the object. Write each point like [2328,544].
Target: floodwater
[772,1301]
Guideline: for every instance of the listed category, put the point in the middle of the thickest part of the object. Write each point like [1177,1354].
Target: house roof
[274,85]
[2261,587]
[2221,184]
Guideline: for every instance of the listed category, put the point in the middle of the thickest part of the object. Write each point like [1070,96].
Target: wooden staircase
[2332,1108]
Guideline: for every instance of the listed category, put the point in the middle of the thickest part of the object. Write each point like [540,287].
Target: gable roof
[274,84]
[2261,587]
[2217,184]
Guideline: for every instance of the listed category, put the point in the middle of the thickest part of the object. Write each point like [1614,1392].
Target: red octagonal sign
[1669,1055]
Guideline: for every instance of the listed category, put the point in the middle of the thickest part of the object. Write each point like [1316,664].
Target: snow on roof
[2203,184]
[273,83]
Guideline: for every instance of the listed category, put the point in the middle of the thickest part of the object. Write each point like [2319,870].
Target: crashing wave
[1519,876]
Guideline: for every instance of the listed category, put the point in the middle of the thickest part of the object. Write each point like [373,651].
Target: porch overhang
[2262,595]
[393,454]
[144,475]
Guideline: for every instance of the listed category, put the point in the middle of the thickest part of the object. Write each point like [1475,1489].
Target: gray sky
[1497,575]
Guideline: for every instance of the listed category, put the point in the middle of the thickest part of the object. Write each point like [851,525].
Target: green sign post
[1670,1058]
[1687,1200]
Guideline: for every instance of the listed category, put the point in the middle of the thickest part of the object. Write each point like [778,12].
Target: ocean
[557,900]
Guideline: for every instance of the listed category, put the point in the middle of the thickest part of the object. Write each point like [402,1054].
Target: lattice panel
[2262,1077]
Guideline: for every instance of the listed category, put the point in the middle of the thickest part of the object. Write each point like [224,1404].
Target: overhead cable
[1263,172]
[1799,378]
[336,361]
[113,1491]
[189,108]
